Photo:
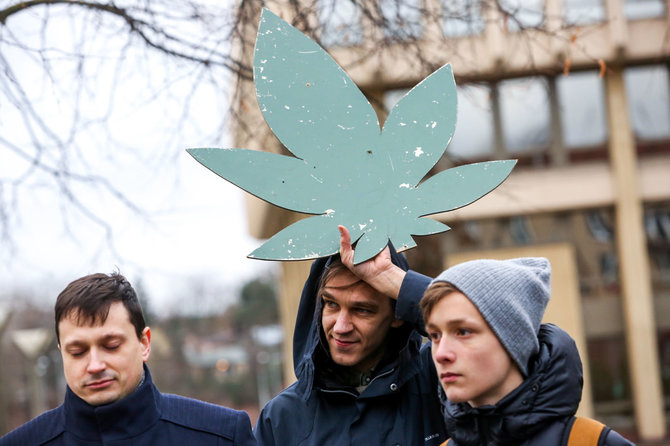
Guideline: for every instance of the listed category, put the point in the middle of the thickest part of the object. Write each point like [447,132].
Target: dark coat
[399,406]
[145,417]
[539,412]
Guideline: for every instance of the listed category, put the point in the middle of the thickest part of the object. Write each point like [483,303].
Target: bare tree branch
[176,48]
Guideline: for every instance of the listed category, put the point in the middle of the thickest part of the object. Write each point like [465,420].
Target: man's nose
[443,350]
[96,363]
[343,323]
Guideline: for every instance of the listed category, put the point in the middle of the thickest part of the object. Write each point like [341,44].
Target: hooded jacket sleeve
[263,430]
[613,438]
[411,292]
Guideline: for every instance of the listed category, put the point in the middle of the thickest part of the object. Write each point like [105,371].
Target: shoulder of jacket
[593,432]
[201,416]
[37,431]
[288,403]
[287,418]
[611,437]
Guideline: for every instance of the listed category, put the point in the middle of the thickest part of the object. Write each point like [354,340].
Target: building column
[558,151]
[293,276]
[637,298]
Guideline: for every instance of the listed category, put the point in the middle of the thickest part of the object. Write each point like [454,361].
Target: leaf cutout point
[460,186]
[310,103]
[421,124]
[306,239]
[278,179]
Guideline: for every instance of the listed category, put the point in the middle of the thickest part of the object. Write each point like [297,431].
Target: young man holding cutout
[363,377]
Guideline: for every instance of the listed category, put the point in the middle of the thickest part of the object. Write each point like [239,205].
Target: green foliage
[258,305]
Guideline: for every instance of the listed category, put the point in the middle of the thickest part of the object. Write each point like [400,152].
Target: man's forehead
[117,319]
[354,290]
[89,334]
[343,279]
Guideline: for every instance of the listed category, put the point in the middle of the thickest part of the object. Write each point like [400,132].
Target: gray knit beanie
[511,295]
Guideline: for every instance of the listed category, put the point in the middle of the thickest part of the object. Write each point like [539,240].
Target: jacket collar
[122,419]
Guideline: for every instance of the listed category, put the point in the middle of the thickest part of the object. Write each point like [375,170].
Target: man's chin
[101,398]
[344,360]
[102,402]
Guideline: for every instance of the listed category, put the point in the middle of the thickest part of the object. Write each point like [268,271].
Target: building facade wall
[597,183]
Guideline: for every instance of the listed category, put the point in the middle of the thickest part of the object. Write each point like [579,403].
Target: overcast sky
[194,231]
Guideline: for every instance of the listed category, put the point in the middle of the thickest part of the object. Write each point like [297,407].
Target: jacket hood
[306,336]
[552,391]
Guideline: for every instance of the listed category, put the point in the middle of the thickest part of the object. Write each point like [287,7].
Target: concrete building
[578,92]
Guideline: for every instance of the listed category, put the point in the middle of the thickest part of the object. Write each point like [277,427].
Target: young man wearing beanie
[506,379]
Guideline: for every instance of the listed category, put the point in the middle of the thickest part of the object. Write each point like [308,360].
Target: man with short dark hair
[110,397]
[363,378]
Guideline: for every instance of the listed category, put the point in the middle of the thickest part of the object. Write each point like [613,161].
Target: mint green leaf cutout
[421,125]
[307,99]
[472,181]
[304,239]
[277,179]
[346,170]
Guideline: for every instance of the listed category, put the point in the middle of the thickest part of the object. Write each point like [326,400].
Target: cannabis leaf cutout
[345,170]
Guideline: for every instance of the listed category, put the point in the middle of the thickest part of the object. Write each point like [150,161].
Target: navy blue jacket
[145,417]
[400,405]
[540,412]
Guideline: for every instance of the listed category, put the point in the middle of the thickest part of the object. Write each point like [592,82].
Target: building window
[649,101]
[473,137]
[520,230]
[657,228]
[340,24]
[402,19]
[581,100]
[609,370]
[525,114]
[522,14]
[600,286]
[583,12]
[643,9]
[461,18]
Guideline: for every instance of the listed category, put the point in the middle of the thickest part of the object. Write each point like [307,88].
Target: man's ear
[145,340]
[397,323]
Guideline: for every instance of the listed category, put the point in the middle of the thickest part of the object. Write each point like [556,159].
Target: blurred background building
[578,92]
